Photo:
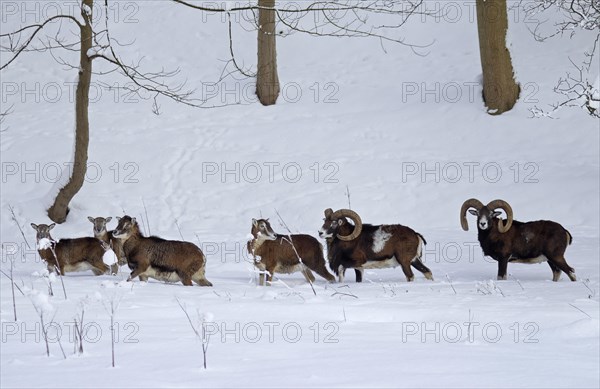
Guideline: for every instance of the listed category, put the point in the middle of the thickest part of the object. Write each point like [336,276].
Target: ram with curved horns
[365,246]
[508,240]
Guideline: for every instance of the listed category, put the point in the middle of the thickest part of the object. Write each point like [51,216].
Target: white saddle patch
[380,237]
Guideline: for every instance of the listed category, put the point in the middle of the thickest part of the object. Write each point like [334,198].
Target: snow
[44,244]
[406,155]
[109,257]
[41,301]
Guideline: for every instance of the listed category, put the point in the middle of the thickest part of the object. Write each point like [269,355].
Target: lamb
[279,253]
[164,260]
[365,246]
[69,255]
[508,240]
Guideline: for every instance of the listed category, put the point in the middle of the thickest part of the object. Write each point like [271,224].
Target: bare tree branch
[144,84]
[577,15]
[17,48]
[340,19]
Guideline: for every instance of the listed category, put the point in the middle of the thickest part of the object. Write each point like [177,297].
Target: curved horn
[495,204]
[328,213]
[355,218]
[470,203]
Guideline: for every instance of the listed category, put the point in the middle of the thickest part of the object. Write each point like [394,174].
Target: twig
[344,294]
[348,195]
[391,288]
[448,278]
[228,297]
[57,267]
[40,312]
[79,328]
[580,310]
[499,289]
[469,327]
[147,220]
[202,336]
[519,282]
[112,309]
[12,282]
[49,282]
[14,218]
[17,286]
[179,229]
[585,283]
[143,225]
[62,350]
[289,238]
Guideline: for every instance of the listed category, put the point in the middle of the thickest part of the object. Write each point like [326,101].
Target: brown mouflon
[508,240]
[365,246]
[70,255]
[161,259]
[279,253]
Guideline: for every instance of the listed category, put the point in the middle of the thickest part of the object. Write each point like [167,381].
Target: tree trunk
[59,210]
[500,90]
[267,80]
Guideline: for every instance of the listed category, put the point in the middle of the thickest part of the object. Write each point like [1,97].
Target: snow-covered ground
[408,137]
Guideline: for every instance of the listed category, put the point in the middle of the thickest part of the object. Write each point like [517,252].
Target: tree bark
[500,90]
[267,80]
[59,210]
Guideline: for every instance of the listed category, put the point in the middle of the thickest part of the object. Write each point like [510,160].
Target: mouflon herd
[351,244]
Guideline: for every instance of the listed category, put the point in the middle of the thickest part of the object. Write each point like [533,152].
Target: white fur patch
[341,271]
[161,275]
[380,237]
[44,244]
[323,234]
[80,266]
[383,264]
[540,259]
[419,250]
[288,269]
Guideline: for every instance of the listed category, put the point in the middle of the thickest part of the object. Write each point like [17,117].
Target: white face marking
[323,233]
[264,232]
[119,236]
[380,237]
[483,222]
